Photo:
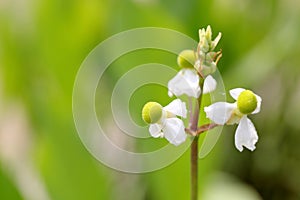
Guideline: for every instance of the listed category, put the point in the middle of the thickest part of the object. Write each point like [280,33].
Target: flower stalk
[194,168]
[194,146]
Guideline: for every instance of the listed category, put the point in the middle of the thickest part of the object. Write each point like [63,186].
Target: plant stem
[194,147]
[194,168]
[205,127]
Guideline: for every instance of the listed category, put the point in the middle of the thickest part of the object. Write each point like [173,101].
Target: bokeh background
[42,45]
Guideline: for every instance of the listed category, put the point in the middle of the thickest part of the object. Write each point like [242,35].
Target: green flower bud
[186,59]
[210,57]
[208,33]
[204,45]
[247,102]
[152,112]
[208,68]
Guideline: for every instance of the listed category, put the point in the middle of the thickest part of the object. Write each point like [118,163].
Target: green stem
[194,147]
[194,168]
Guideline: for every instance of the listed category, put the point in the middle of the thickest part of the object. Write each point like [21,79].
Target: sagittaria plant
[194,79]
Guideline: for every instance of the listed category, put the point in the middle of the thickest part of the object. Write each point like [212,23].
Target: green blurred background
[42,45]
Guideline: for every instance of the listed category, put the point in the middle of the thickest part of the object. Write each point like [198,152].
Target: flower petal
[177,107]
[245,135]
[174,131]
[235,93]
[210,84]
[155,130]
[257,110]
[185,82]
[219,112]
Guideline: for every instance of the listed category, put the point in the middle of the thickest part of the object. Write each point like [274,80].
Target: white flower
[168,125]
[229,113]
[186,82]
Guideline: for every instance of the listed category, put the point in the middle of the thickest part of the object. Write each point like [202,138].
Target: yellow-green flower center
[152,112]
[186,59]
[247,102]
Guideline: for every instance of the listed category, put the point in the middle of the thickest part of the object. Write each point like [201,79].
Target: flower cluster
[196,65]
[196,78]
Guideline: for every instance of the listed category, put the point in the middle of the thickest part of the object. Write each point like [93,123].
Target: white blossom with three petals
[230,113]
[168,125]
[186,82]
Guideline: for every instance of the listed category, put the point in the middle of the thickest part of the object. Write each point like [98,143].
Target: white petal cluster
[186,82]
[169,126]
[228,113]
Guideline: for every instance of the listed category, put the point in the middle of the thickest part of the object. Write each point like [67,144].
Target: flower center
[186,59]
[152,112]
[247,102]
